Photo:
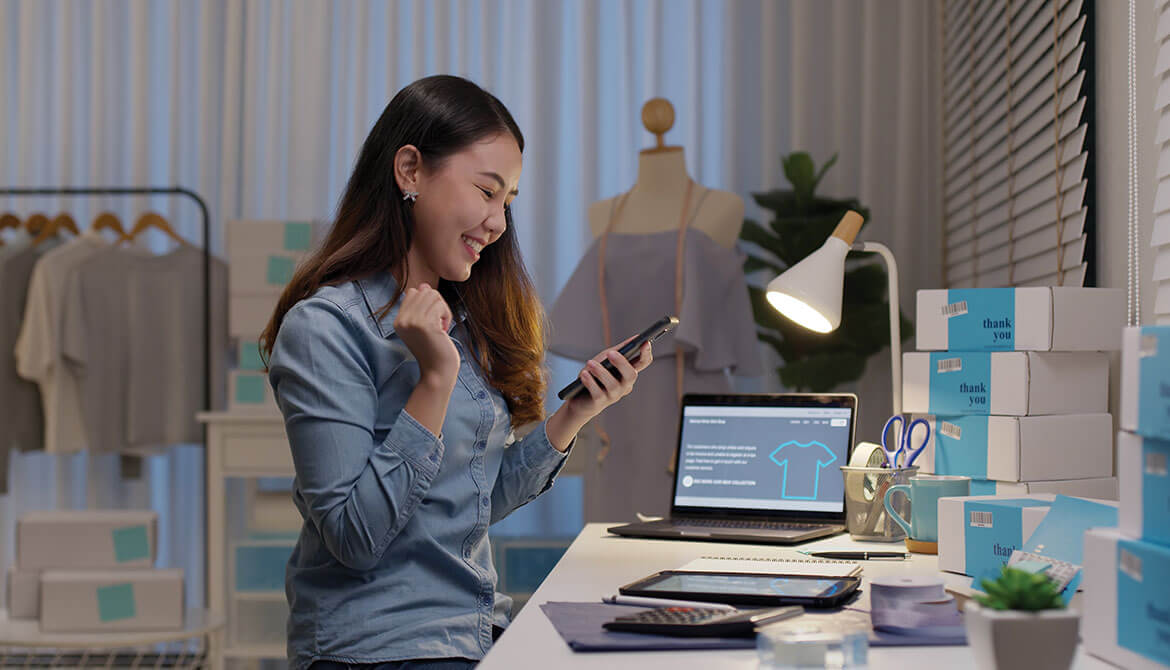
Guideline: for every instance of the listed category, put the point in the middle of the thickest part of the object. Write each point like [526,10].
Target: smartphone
[630,351]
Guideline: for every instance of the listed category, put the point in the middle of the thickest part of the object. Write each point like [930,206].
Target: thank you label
[960,383]
[1143,613]
[987,323]
[994,530]
[1154,383]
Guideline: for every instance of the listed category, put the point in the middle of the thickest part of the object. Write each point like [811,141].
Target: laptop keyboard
[744,523]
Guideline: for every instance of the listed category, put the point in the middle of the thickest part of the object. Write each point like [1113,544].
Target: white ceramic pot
[1018,640]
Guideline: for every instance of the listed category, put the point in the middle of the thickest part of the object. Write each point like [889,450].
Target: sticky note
[116,602]
[250,356]
[131,543]
[297,236]
[280,270]
[250,389]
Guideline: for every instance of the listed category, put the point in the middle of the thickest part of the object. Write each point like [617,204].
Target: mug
[924,492]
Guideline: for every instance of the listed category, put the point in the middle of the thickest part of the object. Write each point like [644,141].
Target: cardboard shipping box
[977,534]
[87,539]
[1145,487]
[1097,488]
[82,601]
[1007,383]
[1043,318]
[245,236]
[1126,615]
[24,594]
[1018,449]
[1145,381]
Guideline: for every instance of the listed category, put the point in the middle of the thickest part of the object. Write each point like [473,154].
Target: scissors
[903,441]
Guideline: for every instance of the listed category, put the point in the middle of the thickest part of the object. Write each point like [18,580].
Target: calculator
[700,621]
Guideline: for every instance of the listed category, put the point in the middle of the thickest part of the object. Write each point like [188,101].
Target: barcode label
[955,309]
[950,430]
[1156,464]
[950,365]
[1131,565]
[1148,347]
[981,520]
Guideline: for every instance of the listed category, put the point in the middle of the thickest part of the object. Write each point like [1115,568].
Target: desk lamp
[809,292]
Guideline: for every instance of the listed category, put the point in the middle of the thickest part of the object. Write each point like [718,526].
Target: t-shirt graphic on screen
[802,463]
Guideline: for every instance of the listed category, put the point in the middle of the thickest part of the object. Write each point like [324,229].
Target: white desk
[597,563]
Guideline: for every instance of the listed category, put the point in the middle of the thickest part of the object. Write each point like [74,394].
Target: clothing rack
[174,191]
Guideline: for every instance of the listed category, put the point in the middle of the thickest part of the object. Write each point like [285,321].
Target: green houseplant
[1021,622]
[801,222]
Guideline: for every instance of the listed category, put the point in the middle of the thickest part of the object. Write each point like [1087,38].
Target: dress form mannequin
[652,204]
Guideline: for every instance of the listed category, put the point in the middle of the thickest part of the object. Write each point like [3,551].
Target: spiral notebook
[813,567]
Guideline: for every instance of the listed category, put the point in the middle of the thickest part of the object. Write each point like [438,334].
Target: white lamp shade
[809,292]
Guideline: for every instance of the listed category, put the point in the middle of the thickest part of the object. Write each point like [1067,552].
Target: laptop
[761,468]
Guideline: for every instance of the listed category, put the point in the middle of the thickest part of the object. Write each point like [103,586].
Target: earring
[410,195]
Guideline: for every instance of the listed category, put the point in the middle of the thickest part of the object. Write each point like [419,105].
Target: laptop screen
[756,456]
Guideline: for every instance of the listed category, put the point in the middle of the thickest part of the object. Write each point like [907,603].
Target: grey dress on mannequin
[716,335]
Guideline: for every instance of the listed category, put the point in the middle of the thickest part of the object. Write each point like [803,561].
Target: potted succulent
[1021,622]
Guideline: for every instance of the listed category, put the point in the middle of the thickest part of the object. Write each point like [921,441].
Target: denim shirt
[393,560]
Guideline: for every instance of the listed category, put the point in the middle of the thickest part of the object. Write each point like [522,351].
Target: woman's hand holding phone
[603,387]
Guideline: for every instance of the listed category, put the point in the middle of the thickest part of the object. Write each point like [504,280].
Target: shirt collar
[377,290]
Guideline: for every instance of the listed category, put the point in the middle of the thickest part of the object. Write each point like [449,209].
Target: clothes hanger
[108,221]
[35,224]
[62,222]
[152,220]
[8,220]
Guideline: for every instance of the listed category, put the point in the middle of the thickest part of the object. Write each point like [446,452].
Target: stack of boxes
[1126,617]
[262,257]
[92,571]
[1015,385]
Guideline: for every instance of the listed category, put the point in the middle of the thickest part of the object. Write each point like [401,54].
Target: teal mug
[924,492]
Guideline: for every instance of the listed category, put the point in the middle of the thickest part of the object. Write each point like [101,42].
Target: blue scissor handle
[903,441]
[907,441]
[899,444]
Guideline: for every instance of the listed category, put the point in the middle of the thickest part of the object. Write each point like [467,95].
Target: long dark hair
[440,115]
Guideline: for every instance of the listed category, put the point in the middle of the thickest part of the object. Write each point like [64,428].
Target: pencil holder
[865,515]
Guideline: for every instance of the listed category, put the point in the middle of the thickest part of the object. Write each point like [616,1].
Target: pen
[661,602]
[859,555]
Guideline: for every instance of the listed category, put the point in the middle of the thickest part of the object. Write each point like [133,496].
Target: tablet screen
[762,585]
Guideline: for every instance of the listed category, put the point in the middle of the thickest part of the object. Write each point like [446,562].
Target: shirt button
[481,395]
[434,457]
[484,502]
[467,553]
[480,445]
[487,601]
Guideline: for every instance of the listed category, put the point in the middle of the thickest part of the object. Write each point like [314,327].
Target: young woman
[402,355]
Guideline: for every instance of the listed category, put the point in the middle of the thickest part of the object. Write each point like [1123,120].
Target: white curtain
[864,85]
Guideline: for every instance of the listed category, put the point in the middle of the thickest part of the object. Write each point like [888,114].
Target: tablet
[734,588]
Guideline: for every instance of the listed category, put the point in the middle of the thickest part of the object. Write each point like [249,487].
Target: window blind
[1016,142]
[1160,238]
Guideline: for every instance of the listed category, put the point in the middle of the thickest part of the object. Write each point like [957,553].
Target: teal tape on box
[250,356]
[1154,382]
[250,389]
[131,544]
[116,602]
[280,270]
[1155,491]
[960,383]
[982,487]
[987,321]
[1143,612]
[994,529]
[960,446]
[297,236]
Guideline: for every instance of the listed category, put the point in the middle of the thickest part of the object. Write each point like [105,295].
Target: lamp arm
[895,317]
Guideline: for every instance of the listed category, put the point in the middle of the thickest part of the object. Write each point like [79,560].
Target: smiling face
[460,206]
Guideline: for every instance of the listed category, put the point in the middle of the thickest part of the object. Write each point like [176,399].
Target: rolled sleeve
[359,493]
[529,468]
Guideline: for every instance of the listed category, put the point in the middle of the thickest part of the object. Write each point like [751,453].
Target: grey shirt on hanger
[134,334]
[716,332]
[20,400]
